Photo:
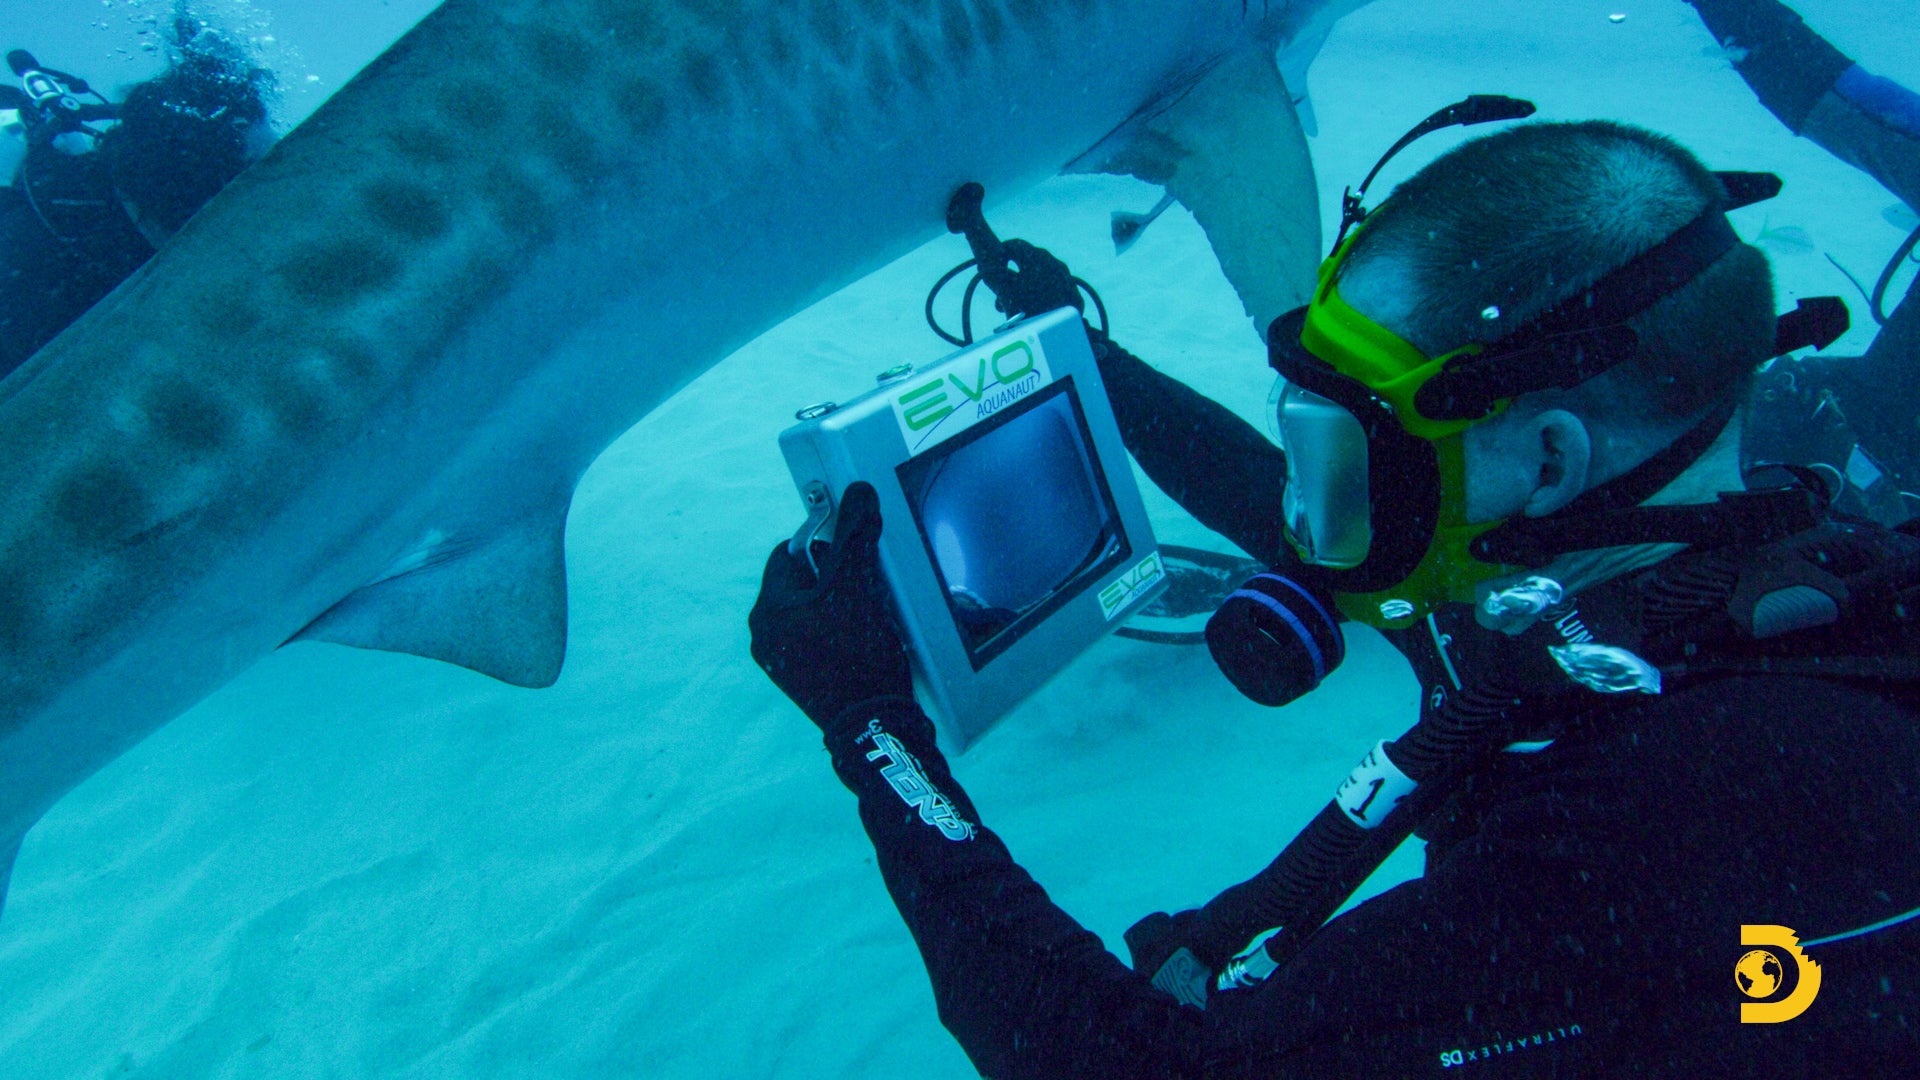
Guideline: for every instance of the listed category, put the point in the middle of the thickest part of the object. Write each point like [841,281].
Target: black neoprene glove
[1040,282]
[829,643]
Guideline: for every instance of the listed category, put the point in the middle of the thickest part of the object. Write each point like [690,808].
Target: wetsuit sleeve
[1029,993]
[1218,467]
[1872,124]
[1788,65]
[1817,91]
[1024,988]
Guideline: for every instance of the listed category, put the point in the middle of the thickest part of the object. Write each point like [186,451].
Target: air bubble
[1617,17]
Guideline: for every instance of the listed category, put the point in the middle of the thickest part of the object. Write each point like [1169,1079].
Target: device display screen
[1016,517]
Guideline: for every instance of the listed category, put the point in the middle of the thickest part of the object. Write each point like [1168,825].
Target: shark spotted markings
[350,400]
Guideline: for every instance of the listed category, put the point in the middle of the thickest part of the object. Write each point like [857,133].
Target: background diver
[1582,903]
[1854,414]
[100,185]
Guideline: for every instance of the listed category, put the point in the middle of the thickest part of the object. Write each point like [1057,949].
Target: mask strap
[1584,522]
[1580,337]
[1645,480]
[1610,515]
[1739,517]
[1814,323]
[1476,109]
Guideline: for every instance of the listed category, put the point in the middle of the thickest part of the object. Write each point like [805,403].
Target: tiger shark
[350,400]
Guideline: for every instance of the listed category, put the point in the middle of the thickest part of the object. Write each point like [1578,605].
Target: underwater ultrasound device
[1015,537]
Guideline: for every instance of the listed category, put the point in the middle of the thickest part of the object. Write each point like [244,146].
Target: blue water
[362,864]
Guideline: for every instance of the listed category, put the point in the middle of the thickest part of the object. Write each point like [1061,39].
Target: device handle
[819,510]
[964,216]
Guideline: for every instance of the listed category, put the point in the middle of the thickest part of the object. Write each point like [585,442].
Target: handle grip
[964,216]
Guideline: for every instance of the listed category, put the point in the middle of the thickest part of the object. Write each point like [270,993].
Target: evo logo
[1121,592]
[968,390]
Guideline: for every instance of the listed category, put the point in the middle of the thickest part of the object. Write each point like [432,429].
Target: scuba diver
[100,185]
[1856,415]
[1668,710]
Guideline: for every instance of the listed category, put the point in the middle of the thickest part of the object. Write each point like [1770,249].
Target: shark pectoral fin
[1294,60]
[1232,152]
[499,608]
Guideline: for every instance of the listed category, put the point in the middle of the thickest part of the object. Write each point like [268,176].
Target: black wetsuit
[1820,408]
[1214,464]
[47,282]
[1582,915]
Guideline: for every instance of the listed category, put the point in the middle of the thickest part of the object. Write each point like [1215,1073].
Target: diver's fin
[1231,150]
[497,605]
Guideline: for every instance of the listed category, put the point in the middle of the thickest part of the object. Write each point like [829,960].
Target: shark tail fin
[496,605]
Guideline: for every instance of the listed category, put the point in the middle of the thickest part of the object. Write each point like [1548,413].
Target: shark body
[350,401]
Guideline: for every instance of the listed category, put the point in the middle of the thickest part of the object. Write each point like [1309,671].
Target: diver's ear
[1565,460]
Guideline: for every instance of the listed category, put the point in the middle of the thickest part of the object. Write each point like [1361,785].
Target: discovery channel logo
[1775,974]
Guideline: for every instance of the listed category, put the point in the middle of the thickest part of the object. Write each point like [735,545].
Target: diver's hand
[1041,282]
[1158,946]
[829,644]
[1155,938]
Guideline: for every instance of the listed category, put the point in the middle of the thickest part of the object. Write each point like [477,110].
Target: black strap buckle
[1816,322]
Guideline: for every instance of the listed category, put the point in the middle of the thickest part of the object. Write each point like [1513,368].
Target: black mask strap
[1611,515]
[1580,337]
[1814,323]
[1742,518]
[1475,109]
[1645,480]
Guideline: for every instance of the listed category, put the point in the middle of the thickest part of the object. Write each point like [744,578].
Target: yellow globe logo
[1758,974]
